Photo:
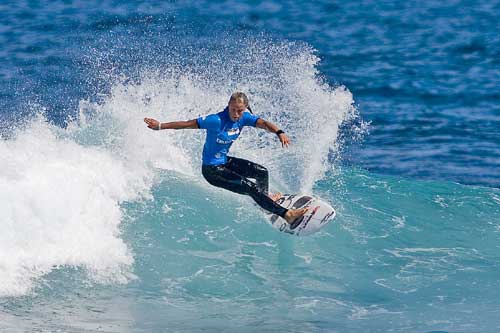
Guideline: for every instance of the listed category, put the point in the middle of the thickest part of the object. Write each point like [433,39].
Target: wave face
[189,256]
[109,226]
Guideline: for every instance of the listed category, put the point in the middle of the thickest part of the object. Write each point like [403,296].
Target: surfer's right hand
[152,123]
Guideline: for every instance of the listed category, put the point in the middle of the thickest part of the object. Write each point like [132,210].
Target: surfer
[231,173]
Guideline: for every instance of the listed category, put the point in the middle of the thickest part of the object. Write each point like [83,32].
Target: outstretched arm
[156,125]
[270,127]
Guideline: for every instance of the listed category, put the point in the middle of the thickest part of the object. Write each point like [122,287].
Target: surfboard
[319,215]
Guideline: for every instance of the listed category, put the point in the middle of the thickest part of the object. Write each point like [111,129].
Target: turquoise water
[108,226]
[393,260]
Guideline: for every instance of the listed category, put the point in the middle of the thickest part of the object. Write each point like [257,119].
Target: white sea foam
[60,206]
[61,189]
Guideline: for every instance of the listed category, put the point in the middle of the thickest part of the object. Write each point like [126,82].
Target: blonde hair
[239,96]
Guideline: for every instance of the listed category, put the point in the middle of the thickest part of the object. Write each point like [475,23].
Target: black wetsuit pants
[236,176]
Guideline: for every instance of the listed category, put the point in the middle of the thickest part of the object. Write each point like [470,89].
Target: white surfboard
[320,214]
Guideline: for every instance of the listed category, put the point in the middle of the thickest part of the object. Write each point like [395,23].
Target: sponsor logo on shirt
[223,142]
[233,131]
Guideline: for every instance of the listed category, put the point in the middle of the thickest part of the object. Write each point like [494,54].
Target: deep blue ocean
[394,115]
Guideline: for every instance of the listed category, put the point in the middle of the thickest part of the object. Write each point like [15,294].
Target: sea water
[392,109]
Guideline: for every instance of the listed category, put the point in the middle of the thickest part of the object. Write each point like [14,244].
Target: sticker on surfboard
[319,214]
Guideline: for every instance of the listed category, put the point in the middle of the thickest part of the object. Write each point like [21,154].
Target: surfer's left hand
[285,141]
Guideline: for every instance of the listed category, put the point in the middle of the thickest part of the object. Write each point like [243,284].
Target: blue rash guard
[221,133]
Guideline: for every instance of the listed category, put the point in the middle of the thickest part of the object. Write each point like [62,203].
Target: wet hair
[241,97]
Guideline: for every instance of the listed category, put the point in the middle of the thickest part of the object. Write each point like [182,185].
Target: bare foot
[276,196]
[293,214]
